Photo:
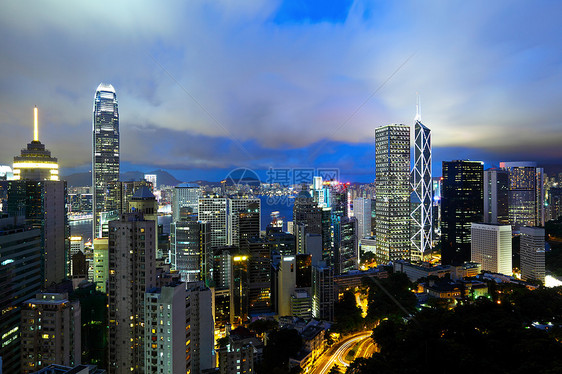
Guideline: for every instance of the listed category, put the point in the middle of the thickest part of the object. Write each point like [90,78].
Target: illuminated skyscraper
[392,162]
[35,162]
[496,196]
[526,194]
[105,147]
[532,253]
[422,202]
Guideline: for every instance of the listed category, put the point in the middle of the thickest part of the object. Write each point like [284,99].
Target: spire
[418,108]
[35,125]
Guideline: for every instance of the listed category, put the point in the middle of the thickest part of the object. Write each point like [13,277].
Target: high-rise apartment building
[132,271]
[101,263]
[422,194]
[105,150]
[20,279]
[287,281]
[392,163]
[348,246]
[496,196]
[491,247]
[50,332]
[461,204]
[259,276]
[532,253]
[526,194]
[201,318]
[214,210]
[555,202]
[185,195]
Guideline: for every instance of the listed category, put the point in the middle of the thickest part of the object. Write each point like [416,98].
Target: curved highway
[336,355]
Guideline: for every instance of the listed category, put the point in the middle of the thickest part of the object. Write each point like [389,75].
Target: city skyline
[190,84]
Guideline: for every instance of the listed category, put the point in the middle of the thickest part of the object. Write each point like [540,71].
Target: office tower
[496,196]
[491,247]
[20,279]
[201,318]
[362,211]
[437,184]
[239,287]
[555,202]
[76,244]
[101,263]
[348,247]
[237,206]
[35,162]
[259,276]
[307,212]
[279,241]
[185,195]
[50,332]
[152,178]
[422,194]
[532,253]
[461,204]
[166,330]
[286,280]
[105,150]
[248,224]
[314,247]
[323,292]
[526,194]
[190,250]
[214,210]
[328,241]
[320,193]
[132,271]
[392,163]
[301,304]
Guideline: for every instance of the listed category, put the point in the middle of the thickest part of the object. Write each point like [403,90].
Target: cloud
[196,79]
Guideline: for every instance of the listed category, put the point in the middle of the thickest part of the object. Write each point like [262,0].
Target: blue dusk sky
[208,86]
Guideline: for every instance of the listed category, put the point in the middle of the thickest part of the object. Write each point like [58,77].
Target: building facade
[392,206]
[496,196]
[105,150]
[532,253]
[491,247]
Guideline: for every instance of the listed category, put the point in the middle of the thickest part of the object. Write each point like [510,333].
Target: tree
[347,314]
[390,296]
[261,326]
[282,344]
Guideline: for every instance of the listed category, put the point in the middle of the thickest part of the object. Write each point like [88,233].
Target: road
[336,354]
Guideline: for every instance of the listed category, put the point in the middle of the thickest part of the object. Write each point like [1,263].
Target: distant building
[555,202]
[190,250]
[362,211]
[152,178]
[491,247]
[185,195]
[532,253]
[392,163]
[50,332]
[461,205]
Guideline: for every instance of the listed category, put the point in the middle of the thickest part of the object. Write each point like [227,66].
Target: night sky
[207,86]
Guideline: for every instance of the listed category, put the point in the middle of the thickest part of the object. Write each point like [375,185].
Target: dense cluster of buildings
[170,297]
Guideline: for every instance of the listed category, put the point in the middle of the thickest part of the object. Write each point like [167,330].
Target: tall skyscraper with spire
[421,197]
[105,151]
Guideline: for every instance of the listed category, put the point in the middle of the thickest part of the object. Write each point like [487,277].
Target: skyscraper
[362,211]
[461,204]
[526,194]
[186,195]
[422,200]
[496,196]
[105,149]
[392,163]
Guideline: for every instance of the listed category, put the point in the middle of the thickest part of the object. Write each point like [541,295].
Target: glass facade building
[392,206]
[105,150]
[462,203]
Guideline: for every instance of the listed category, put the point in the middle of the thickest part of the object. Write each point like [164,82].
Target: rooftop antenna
[418,108]
[35,125]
